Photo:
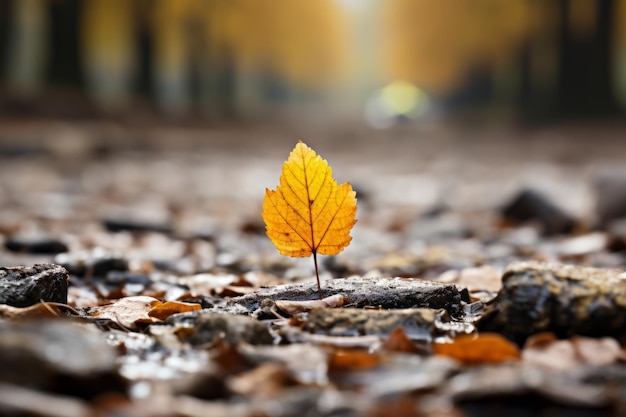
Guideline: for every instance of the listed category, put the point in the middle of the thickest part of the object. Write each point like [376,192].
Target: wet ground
[172,308]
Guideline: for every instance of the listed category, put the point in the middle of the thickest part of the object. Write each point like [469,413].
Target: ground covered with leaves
[485,275]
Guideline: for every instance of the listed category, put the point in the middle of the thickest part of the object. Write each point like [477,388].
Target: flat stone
[39,245]
[113,224]
[418,323]
[564,299]
[93,263]
[22,286]
[386,293]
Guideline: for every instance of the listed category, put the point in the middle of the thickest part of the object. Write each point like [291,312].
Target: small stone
[22,286]
[36,245]
[94,263]
[131,225]
[208,326]
[530,205]
[564,299]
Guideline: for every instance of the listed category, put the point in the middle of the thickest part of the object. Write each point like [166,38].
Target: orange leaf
[163,311]
[309,213]
[484,348]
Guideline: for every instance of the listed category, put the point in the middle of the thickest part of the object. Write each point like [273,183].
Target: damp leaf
[309,213]
[164,310]
[479,349]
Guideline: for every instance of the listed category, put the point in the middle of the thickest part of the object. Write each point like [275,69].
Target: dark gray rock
[39,245]
[209,326]
[530,205]
[113,224]
[94,263]
[22,286]
[386,293]
[563,299]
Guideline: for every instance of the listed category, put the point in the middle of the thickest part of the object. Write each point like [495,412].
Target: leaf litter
[421,315]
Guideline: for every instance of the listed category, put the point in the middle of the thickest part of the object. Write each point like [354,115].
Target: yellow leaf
[309,213]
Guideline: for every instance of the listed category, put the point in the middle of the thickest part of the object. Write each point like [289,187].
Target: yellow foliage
[434,43]
[309,213]
[303,41]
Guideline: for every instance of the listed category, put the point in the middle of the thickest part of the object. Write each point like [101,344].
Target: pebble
[530,205]
[37,245]
[94,263]
[209,326]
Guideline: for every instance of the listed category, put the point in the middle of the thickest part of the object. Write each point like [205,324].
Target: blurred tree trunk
[585,82]
[27,45]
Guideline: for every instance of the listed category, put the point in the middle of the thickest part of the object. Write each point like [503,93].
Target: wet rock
[530,205]
[386,293]
[418,323]
[58,356]
[564,299]
[22,286]
[94,263]
[131,225]
[210,326]
[35,245]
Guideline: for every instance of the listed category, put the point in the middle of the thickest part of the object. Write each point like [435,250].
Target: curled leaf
[163,311]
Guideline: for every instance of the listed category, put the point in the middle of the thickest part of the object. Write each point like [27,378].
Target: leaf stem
[317,275]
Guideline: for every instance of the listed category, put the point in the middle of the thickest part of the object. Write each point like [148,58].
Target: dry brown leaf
[266,380]
[545,350]
[294,307]
[40,310]
[309,213]
[164,310]
[398,341]
[477,349]
[128,311]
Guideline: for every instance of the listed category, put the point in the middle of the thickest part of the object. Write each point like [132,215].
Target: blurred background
[380,62]
[175,115]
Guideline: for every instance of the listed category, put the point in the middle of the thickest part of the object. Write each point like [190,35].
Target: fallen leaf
[164,310]
[545,350]
[477,349]
[266,380]
[294,307]
[352,360]
[309,213]
[39,310]
[398,341]
[128,311]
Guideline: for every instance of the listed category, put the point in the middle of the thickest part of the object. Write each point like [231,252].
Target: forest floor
[178,304]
